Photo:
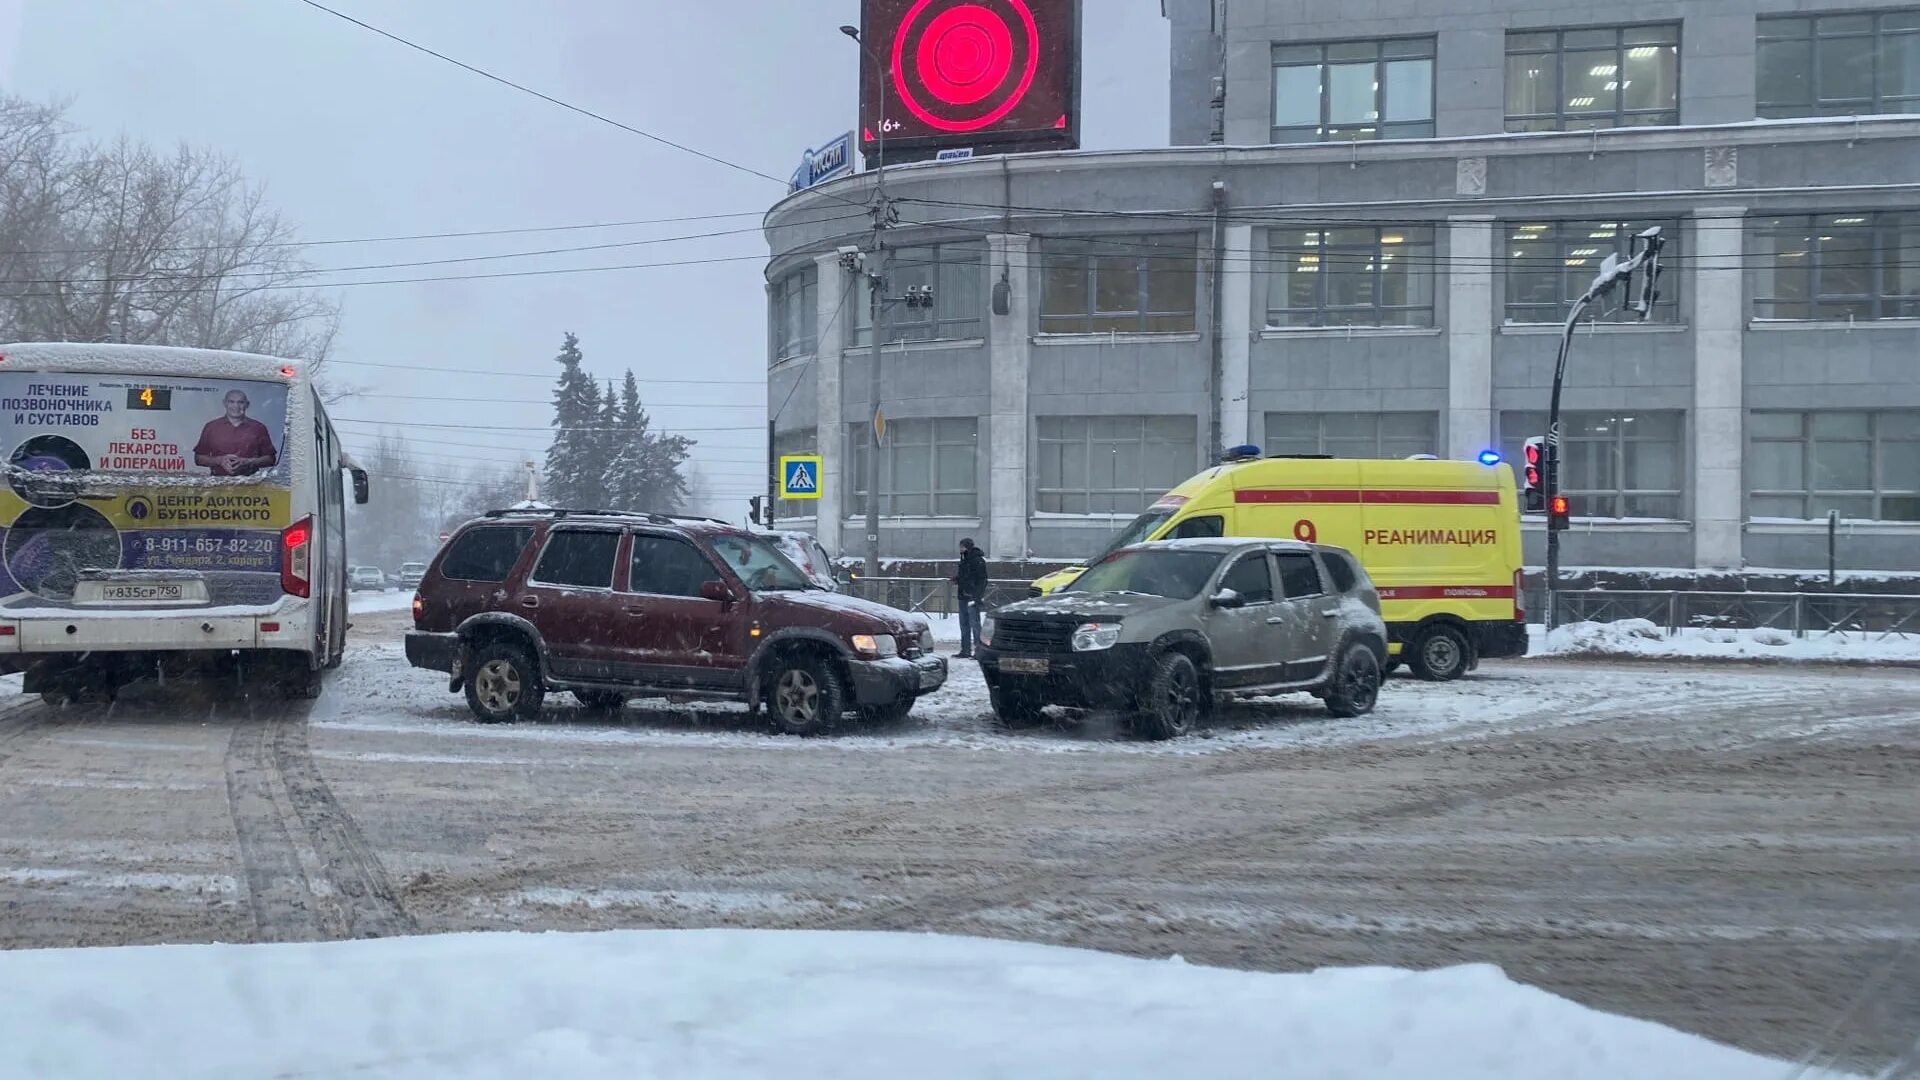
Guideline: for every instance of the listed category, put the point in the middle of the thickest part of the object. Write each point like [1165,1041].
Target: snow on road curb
[792,1004]
[1640,637]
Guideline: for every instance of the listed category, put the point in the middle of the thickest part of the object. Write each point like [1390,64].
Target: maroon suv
[610,606]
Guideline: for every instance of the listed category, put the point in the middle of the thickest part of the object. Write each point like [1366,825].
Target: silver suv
[1162,630]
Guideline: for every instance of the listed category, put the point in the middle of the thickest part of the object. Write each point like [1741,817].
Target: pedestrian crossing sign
[800,476]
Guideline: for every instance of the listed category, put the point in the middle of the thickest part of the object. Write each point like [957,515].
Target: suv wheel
[1439,652]
[1014,710]
[503,684]
[1355,685]
[804,696]
[1172,705]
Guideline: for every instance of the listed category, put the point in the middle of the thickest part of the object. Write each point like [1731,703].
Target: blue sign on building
[817,166]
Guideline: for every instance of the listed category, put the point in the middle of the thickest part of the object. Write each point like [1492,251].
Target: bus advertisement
[167,508]
[166,436]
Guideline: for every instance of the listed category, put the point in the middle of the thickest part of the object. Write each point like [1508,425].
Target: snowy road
[1727,850]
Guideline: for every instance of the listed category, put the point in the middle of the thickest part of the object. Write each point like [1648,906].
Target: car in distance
[410,574]
[367,577]
[1161,630]
[611,605]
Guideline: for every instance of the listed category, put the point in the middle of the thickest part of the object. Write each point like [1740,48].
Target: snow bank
[368,603]
[1639,637]
[792,1004]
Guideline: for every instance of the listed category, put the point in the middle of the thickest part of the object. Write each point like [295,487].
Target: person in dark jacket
[971,583]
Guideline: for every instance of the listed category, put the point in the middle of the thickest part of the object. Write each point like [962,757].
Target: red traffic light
[1533,452]
[1533,476]
[1559,506]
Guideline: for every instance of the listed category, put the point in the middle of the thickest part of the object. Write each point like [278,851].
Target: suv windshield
[759,563]
[1176,574]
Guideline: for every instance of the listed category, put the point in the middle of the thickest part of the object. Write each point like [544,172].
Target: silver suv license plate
[1024,665]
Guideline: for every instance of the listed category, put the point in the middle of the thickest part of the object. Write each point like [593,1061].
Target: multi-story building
[1363,242]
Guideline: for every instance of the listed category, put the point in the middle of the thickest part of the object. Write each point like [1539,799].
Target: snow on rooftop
[794,1005]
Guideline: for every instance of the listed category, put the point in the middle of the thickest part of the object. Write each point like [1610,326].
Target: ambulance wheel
[1440,652]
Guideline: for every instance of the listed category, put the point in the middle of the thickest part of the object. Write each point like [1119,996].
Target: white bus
[167,510]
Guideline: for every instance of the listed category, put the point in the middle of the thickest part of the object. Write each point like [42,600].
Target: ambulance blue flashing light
[1490,457]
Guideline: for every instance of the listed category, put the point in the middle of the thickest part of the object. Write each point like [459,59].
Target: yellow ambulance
[1441,540]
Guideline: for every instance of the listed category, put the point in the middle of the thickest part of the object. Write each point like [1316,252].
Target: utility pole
[1645,253]
[876,305]
[773,470]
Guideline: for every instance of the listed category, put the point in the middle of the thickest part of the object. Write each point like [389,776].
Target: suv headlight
[986,630]
[875,646]
[1093,636]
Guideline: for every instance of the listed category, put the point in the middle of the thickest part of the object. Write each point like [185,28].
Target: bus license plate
[1023,665]
[116,593]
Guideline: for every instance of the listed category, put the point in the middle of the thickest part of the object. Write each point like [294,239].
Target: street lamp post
[876,306]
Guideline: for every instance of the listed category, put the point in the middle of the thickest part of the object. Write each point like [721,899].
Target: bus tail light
[296,558]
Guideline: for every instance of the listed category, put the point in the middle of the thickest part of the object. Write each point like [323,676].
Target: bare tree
[121,242]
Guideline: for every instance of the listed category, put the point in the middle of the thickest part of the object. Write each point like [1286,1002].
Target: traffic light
[761,514]
[1533,474]
[1557,514]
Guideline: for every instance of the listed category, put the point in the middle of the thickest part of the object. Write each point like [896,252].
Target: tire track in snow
[371,906]
[287,820]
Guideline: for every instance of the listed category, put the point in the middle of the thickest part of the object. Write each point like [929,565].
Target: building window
[1838,266]
[791,314]
[1839,65]
[1866,465]
[1353,90]
[803,441]
[1111,464]
[1550,264]
[1353,435]
[1614,465]
[1363,275]
[1124,284]
[953,271]
[1573,80]
[927,468]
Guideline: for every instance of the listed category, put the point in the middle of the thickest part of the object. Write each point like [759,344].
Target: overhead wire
[548,98]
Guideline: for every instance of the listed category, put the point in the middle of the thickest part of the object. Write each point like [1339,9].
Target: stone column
[828,357]
[1236,333]
[1469,336]
[1009,354]
[1718,385]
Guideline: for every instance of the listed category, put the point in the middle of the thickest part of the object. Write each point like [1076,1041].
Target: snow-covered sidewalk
[794,1005]
[1642,638]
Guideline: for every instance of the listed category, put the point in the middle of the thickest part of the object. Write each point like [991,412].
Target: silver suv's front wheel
[1174,702]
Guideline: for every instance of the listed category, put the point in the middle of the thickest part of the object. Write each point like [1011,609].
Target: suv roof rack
[564,512]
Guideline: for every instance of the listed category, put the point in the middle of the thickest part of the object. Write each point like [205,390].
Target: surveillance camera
[847,249]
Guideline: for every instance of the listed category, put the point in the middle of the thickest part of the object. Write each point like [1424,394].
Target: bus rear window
[485,554]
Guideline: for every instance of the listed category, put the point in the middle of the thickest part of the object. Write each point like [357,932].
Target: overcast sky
[356,136]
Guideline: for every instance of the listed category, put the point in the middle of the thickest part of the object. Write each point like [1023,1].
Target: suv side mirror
[1227,598]
[716,590]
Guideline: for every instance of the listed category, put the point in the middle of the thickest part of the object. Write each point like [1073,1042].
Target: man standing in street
[971,582]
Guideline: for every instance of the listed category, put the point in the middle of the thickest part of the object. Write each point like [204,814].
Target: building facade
[1363,243]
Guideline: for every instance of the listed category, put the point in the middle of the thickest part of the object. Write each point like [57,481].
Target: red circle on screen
[965,54]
